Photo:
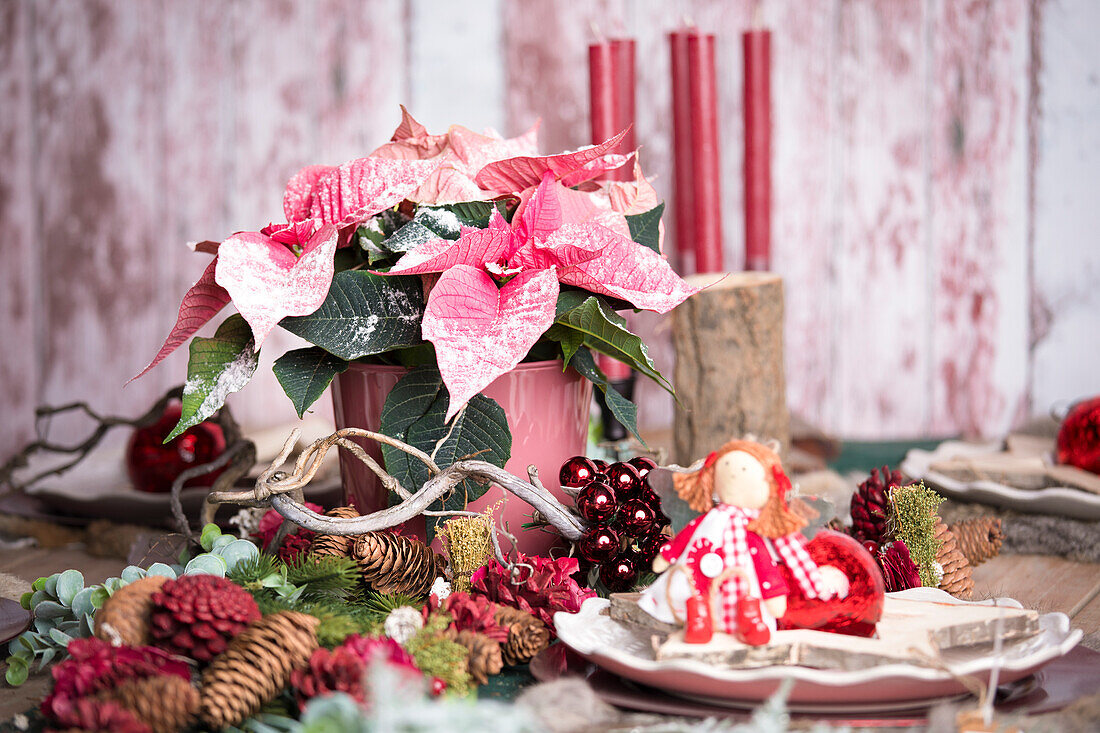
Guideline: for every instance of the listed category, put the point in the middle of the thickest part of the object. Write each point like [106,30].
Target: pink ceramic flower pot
[547,414]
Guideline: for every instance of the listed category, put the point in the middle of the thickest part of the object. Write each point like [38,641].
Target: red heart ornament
[857,613]
[1079,436]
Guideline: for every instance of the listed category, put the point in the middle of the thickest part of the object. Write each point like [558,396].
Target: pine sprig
[379,605]
[254,569]
[323,575]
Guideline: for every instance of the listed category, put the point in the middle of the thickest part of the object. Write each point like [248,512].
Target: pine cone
[484,656]
[91,715]
[256,667]
[334,544]
[196,615]
[124,617]
[870,505]
[956,570]
[395,564]
[527,635]
[166,704]
[979,539]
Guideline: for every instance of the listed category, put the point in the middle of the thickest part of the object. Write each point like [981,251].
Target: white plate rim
[1057,622]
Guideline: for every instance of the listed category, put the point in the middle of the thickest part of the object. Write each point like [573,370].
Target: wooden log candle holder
[729,363]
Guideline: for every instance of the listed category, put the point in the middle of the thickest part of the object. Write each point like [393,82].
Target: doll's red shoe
[699,627]
[751,628]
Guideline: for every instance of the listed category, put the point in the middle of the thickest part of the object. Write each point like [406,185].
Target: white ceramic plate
[1062,500]
[627,651]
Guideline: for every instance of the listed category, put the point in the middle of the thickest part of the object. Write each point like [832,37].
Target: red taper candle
[706,167]
[622,72]
[681,150]
[757,106]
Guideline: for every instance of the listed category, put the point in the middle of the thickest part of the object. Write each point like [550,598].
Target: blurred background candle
[706,169]
[757,108]
[683,185]
[611,100]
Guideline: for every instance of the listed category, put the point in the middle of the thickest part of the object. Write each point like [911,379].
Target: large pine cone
[197,615]
[334,544]
[124,618]
[165,703]
[394,564]
[484,655]
[256,667]
[527,635]
[956,570]
[870,505]
[979,539]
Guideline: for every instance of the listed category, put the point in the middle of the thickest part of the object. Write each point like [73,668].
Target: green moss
[914,520]
[437,656]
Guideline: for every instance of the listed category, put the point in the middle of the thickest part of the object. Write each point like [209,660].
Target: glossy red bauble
[643,464]
[856,613]
[599,544]
[625,479]
[636,518]
[596,502]
[576,472]
[601,466]
[619,575]
[153,466]
[1079,436]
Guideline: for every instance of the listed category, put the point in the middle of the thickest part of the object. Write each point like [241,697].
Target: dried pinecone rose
[543,591]
[94,665]
[342,669]
[898,569]
[870,505]
[197,615]
[294,544]
[93,716]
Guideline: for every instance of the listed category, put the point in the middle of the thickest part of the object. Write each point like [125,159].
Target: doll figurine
[730,554]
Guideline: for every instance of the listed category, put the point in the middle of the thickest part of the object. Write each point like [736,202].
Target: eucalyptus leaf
[222,541]
[206,564]
[82,602]
[159,569]
[132,573]
[50,609]
[38,597]
[50,585]
[236,552]
[363,314]
[60,637]
[305,374]
[218,367]
[47,657]
[17,673]
[210,532]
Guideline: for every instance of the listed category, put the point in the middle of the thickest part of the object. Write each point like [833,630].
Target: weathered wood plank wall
[933,169]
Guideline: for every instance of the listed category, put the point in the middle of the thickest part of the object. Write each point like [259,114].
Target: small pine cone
[979,539]
[165,703]
[484,655]
[91,715]
[870,505]
[956,570]
[527,635]
[124,618]
[197,615]
[394,564]
[256,667]
[334,544]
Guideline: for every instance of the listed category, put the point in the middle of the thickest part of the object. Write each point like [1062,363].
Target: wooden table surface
[1040,582]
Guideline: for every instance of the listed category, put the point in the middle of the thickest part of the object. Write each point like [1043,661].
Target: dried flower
[343,668]
[402,624]
[548,588]
[898,569]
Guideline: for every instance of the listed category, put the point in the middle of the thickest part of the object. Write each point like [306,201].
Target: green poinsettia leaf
[305,374]
[219,366]
[414,412]
[645,227]
[363,314]
[605,331]
[625,411]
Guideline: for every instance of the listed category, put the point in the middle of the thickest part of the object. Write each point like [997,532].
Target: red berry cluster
[624,513]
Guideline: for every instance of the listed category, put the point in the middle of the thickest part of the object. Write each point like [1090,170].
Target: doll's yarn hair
[775,520]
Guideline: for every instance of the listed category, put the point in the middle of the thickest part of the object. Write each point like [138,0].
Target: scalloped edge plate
[603,641]
[1062,500]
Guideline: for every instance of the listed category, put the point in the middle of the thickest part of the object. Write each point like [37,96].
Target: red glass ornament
[1079,437]
[871,546]
[625,480]
[636,518]
[576,472]
[619,575]
[601,466]
[596,502]
[643,464]
[153,466]
[599,544]
[855,614]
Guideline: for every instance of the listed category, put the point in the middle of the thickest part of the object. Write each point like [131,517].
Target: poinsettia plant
[458,256]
